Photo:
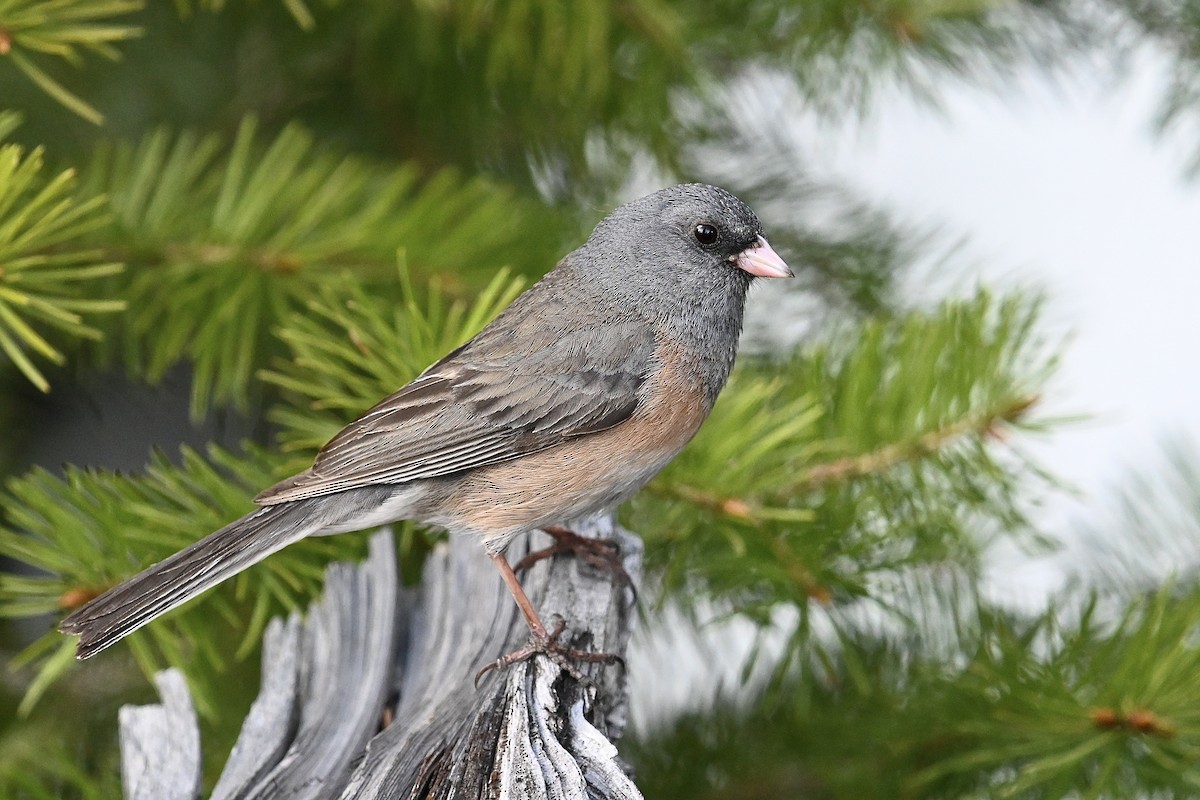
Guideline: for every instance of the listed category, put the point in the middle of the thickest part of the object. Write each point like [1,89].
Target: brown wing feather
[468,412]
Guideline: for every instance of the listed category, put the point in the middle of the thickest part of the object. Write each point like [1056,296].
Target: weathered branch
[373,696]
[160,745]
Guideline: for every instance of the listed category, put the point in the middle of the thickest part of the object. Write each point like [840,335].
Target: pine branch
[841,55]
[31,30]
[88,531]
[985,704]
[986,424]
[537,62]
[224,243]
[1055,707]
[547,47]
[352,346]
[42,262]
[855,460]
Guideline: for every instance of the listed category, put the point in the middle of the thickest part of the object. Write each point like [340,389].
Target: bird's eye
[705,234]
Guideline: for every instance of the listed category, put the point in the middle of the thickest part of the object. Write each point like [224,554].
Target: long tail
[170,583]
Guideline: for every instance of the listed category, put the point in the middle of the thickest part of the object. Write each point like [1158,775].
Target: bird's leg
[518,592]
[540,640]
[603,554]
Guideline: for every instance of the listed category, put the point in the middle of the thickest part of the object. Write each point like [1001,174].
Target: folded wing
[466,412]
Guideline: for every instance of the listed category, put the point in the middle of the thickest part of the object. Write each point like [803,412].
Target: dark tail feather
[172,582]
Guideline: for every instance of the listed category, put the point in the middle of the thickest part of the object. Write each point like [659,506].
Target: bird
[567,403]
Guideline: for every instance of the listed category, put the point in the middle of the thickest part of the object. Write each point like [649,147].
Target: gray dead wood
[160,745]
[530,731]
[270,725]
[323,692]
[374,697]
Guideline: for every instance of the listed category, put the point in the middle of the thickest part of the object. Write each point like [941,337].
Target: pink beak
[762,261]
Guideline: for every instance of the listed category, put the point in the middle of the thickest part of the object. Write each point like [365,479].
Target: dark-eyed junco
[568,403]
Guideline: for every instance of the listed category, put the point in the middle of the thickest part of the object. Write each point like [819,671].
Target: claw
[548,645]
[602,554]
[540,640]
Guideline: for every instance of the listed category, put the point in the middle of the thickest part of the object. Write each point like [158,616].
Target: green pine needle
[350,348]
[1046,706]
[9,122]
[89,530]
[816,477]
[41,263]
[219,256]
[63,30]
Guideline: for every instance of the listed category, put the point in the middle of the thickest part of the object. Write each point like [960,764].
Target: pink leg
[540,640]
[600,553]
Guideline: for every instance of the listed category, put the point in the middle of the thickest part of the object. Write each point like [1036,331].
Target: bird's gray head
[689,240]
[682,260]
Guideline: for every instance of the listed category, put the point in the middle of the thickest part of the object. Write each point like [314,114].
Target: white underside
[397,507]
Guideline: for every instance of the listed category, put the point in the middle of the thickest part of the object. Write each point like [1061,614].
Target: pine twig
[985,423]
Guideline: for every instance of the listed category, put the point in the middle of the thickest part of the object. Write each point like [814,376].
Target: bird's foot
[546,643]
[603,554]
